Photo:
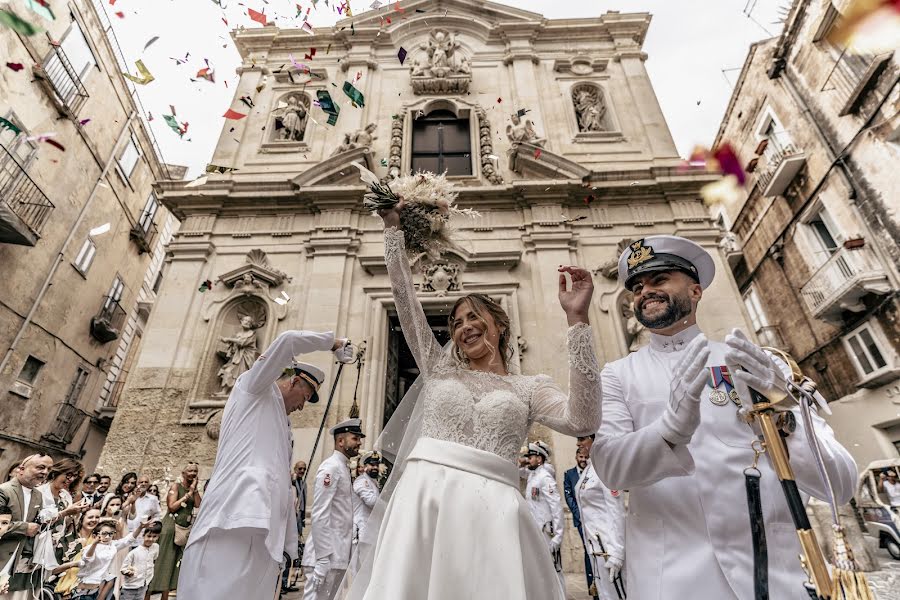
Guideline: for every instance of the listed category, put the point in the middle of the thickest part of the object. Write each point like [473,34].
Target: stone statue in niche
[636,335]
[361,138]
[240,350]
[590,108]
[520,132]
[290,119]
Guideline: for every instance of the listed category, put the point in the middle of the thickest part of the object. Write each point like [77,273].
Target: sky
[696,49]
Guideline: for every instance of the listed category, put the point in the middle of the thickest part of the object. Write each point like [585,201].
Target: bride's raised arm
[418,334]
[578,413]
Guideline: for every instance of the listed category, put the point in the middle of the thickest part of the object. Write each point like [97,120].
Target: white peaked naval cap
[666,253]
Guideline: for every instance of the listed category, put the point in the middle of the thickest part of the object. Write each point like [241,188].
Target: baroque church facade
[551,130]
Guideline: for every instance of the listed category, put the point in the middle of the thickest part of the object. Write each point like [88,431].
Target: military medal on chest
[722,387]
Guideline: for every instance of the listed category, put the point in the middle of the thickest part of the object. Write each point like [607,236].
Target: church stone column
[521,56]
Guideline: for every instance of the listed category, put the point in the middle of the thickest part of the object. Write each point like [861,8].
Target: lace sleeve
[579,413]
[421,340]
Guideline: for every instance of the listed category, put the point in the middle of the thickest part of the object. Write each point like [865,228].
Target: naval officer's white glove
[346,353]
[320,571]
[682,416]
[614,566]
[762,374]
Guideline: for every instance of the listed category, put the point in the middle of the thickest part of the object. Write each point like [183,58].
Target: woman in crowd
[69,551]
[112,509]
[181,501]
[58,492]
[153,490]
[126,486]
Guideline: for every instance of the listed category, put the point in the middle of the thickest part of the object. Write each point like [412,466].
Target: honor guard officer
[603,526]
[545,504]
[326,555]
[672,435]
[248,503]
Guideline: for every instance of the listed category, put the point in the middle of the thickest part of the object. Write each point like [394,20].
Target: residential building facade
[814,242]
[82,233]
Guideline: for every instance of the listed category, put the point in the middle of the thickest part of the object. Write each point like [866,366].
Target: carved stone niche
[288,123]
[444,70]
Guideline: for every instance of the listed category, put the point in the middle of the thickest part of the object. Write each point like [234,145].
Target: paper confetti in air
[233,114]
[401,54]
[328,105]
[257,16]
[354,94]
[42,8]
[6,124]
[150,42]
[15,66]
[17,24]
[145,76]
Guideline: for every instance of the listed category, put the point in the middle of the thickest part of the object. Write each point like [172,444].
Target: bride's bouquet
[429,202]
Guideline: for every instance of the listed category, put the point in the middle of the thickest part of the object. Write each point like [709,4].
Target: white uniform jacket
[250,486]
[602,514]
[367,492]
[331,525]
[542,495]
[687,528]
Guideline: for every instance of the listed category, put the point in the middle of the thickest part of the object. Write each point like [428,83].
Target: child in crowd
[96,560]
[137,570]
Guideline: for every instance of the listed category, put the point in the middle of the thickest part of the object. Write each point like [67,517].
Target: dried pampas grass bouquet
[428,205]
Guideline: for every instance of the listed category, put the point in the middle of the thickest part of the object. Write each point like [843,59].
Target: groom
[247,518]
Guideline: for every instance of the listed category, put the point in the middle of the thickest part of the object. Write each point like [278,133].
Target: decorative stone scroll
[488,164]
[445,70]
[395,154]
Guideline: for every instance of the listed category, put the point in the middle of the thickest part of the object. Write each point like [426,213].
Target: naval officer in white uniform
[544,502]
[603,525]
[326,555]
[247,519]
[672,437]
[365,487]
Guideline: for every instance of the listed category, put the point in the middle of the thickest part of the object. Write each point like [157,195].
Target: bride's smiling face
[477,336]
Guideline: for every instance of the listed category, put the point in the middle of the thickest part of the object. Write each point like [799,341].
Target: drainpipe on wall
[61,254]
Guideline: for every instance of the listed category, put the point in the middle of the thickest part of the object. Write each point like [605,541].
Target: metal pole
[324,416]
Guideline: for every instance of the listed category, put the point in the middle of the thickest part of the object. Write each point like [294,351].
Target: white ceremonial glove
[682,416]
[346,353]
[320,571]
[762,374]
[614,566]
[554,546]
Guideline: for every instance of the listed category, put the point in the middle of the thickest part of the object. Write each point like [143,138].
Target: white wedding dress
[455,525]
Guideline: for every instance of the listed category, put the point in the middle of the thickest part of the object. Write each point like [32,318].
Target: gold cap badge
[639,254]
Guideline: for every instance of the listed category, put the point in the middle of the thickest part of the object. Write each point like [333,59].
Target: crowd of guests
[67,535]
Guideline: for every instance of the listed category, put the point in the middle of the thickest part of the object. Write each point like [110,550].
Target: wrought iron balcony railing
[783,161]
[24,207]
[64,83]
[143,236]
[842,281]
[107,324]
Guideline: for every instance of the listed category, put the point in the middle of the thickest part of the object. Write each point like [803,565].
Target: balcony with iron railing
[107,324]
[143,235]
[783,160]
[853,76]
[24,207]
[62,82]
[842,282]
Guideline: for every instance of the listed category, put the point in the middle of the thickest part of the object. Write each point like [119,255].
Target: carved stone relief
[636,334]
[519,132]
[441,277]
[590,107]
[361,138]
[610,268]
[444,70]
[488,164]
[291,115]
[395,156]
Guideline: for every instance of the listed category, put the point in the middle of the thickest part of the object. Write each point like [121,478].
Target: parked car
[881,519]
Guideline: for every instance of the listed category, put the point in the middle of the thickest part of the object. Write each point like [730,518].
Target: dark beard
[676,309]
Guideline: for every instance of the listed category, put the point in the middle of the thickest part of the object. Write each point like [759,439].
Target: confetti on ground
[15,66]
[233,114]
[17,24]
[145,76]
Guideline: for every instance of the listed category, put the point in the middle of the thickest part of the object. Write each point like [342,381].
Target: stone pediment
[336,170]
[257,273]
[473,10]
[531,162]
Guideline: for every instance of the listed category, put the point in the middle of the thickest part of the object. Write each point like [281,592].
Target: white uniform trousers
[232,563]
[327,589]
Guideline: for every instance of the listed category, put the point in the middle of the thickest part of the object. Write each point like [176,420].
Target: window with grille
[441,142]
[866,350]
[149,213]
[70,417]
[85,256]
[115,292]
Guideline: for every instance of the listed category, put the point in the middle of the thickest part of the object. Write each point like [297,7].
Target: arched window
[441,142]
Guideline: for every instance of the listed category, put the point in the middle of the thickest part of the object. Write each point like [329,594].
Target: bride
[451,522]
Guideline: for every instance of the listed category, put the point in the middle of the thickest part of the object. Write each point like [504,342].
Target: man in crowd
[248,502]
[365,487]
[326,555]
[545,505]
[299,483]
[887,481]
[25,501]
[570,480]
[603,527]
[89,491]
[145,506]
[672,435]
[103,486]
